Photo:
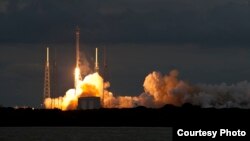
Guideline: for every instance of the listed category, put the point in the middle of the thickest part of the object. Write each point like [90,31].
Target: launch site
[148,63]
[91,55]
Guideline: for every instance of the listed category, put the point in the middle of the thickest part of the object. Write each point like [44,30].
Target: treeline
[168,115]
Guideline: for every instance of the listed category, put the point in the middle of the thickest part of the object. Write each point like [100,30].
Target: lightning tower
[46,92]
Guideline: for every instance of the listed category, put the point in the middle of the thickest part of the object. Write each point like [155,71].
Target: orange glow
[89,90]
[91,85]
[77,76]
[159,90]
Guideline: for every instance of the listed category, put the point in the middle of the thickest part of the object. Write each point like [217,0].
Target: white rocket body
[96,60]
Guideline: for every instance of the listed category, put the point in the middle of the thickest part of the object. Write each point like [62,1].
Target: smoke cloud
[168,89]
[84,65]
[159,90]
[222,95]
[91,85]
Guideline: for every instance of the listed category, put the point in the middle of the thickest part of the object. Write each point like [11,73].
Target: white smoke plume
[111,101]
[222,95]
[84,65]
[159,90]
[167,89]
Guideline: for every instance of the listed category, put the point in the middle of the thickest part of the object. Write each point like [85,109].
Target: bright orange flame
[89,90]
[159,90]
[91,85]
[77,76]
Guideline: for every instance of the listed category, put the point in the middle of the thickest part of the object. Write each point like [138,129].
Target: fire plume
[77,76]
[158,90]
[91,85]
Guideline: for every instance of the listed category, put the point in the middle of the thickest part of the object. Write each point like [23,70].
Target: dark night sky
[206,40]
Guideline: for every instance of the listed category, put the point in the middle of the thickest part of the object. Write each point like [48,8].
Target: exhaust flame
[77,76]
[91,85]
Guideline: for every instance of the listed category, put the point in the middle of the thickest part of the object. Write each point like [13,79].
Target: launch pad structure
[88,101]
[85,102]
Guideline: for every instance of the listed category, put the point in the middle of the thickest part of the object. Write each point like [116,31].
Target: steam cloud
[160,90]
[84,65]
[222,95]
